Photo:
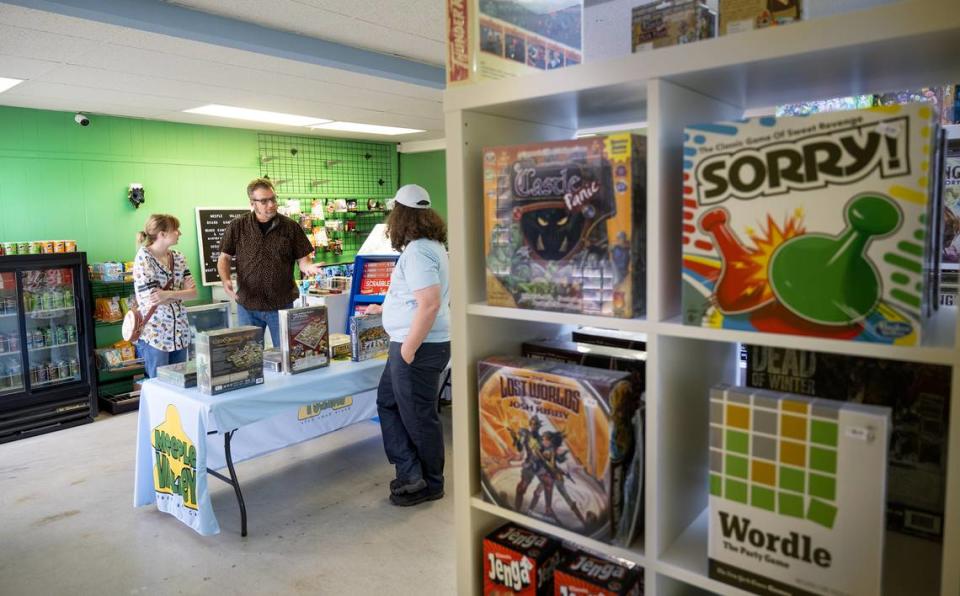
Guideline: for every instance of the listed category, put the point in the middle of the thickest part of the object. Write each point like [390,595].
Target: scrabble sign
[815,226]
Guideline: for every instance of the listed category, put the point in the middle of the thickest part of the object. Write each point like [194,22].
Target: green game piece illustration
[791,479]
[737,491]
[764,498]
[824,487]
[821,513]
[716,485]
[791,505]
[738,442]
[823,460]
[830,280]
[735,466]
[824,433]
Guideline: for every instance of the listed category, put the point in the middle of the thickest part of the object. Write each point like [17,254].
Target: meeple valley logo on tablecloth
[322,409]
[175,462]
[797,491]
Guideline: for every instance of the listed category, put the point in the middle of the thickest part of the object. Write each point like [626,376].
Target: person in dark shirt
[265,245]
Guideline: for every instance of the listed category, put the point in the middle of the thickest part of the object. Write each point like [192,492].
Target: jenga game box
[919,396]
[583,574]
[746,15]
[519,562]
[304,339]
[819,226]
[565,225]
[556,440]
[508,38]
[229,359]
[662,24]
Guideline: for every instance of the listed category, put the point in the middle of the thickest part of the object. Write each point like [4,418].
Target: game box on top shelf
[564,225]
[820,226]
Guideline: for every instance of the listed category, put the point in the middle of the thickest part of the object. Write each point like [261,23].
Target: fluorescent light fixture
[255,115]
[373,129]
[6,84]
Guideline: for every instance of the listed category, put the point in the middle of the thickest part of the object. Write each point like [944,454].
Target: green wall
[59,180]
[429,170]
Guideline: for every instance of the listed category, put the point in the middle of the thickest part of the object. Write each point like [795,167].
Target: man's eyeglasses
[270,201]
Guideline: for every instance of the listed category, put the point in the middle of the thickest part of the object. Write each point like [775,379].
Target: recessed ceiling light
[8,83]
[256,115]
[373,129]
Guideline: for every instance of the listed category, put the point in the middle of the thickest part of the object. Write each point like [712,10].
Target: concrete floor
[318,515]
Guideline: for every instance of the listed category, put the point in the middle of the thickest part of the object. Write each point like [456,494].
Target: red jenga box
[518,561]
[583,574]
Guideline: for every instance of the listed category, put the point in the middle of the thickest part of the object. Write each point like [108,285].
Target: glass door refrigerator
[47,376]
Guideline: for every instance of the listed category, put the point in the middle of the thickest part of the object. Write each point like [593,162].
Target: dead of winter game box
[821,226]
[519,562]
[564,225]
[919,397]
[555,441]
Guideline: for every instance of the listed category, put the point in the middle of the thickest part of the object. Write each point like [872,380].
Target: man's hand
[407,353]
[373,309]
[312,269]
[228,288]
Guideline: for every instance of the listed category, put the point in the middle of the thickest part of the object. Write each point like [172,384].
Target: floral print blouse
[168,329]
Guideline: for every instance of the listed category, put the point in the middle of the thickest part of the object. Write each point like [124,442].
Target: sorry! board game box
[519,562]
[819,226]
[565,225]
[797,491]
[919,397]
[555,441]
[304,339]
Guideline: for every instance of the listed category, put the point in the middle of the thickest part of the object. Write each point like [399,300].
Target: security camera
[81,119]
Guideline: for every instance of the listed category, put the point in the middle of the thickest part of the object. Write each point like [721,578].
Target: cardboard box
[519,562]
[182,374]
[583,573]
[506,38]
[304,339]
[565,225]
[810,226]
[797,491]
[671,23]
[919,397]
[367,337]
[339,346]
[555,441]
[746,15]
[229,359]
[273,360]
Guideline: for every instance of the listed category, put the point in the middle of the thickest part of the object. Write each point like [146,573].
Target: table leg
[232,480]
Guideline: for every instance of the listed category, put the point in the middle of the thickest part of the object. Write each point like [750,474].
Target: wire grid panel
[323,167]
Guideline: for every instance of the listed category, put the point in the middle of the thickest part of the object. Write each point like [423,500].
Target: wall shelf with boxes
[902,45]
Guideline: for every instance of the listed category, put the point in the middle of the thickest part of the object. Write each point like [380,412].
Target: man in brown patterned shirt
[265,246]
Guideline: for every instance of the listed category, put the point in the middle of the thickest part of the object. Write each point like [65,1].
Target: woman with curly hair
[416,316]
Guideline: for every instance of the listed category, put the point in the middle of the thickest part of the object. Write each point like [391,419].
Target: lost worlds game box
[565,225]
[555,441]
[819,226]
[919,398]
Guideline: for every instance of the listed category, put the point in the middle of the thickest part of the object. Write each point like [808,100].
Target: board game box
[565,225]
[745,15]
[497,39]
[367,337]
[797,489]
[662,24]
[304,339]
[917,394]
[339,346]
[519,562]
[181,374]
[229,359]
[273,360]
[581,572]
[555,441]
[819,226]
[615,338]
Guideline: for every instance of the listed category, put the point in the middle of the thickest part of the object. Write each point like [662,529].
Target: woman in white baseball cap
[416,316]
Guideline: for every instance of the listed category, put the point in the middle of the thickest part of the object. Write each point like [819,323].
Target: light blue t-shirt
[423,263]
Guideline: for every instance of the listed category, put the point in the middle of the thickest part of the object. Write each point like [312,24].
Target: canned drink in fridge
[43,373]
[49,339]
[53,373]
[63,369]
[56,298]
[74,365]
[38,338]
[16,375]
[11,304]
[61,333]
[13,342]
[46,301]
[68,297]
[71,334]
[3,344]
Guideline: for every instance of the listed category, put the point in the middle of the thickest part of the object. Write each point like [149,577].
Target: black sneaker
[403,487]
[421,496]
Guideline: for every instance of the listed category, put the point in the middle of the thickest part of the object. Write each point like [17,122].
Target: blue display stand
[356,298]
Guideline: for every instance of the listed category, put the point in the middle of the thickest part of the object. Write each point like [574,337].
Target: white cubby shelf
[911,43]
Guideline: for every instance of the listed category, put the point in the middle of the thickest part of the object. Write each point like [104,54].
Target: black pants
[407,404]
